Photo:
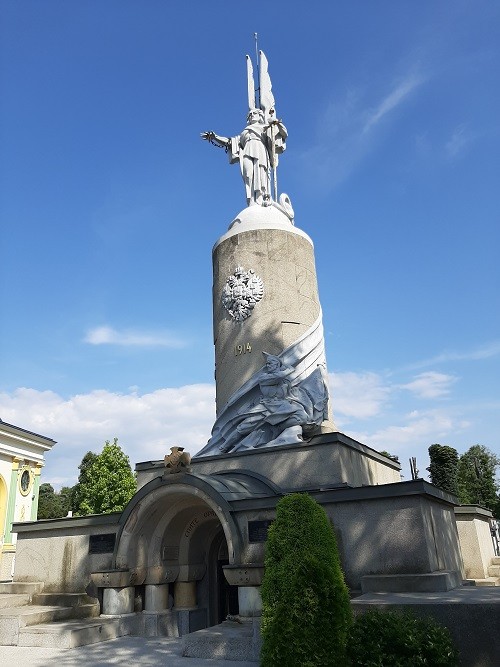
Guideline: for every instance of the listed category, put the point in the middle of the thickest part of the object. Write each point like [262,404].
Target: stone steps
[21,587]
[495,560]
[62,599]
[14,600]
[488,581]
[76,632]
[14,619]
[494,570]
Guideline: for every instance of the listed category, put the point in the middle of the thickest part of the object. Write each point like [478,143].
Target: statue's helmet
[272,358]
[255,112]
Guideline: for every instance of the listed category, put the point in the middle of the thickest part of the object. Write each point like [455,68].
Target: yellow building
[21,461]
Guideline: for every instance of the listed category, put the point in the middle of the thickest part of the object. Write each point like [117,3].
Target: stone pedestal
[249,601]
[185,594]
[473,524]
[156,597]
[117,601]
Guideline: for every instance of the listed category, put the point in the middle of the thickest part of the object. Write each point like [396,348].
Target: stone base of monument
[171,623]
[418,583]
[227,641]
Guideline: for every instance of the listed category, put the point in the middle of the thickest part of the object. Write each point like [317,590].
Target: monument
[270,368]
[188,550]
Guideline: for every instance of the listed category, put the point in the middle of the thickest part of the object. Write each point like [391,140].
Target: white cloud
[458,141]
[146,426]
[106,335]
[414,429]
[430,384]
[358,395]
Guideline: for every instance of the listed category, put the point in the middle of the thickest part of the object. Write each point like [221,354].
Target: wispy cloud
[458,142]
[106,335]
[430,385]
[486,351]
[349,128]
[393,99]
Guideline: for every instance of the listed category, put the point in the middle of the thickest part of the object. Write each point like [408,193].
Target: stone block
[249,601]
[415,583]
[117,601]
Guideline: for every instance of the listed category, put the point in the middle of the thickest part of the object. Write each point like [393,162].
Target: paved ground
[124,651]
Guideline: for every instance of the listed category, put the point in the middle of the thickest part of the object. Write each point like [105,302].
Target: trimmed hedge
[306,609]
[392,639]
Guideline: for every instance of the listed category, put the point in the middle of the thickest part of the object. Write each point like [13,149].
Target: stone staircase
[493,578]
[29,617]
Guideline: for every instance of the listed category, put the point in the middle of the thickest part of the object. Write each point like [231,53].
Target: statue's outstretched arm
[215,139]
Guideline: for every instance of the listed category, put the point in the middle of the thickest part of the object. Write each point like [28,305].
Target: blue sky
[110,205]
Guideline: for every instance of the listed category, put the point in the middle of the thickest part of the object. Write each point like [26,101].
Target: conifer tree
[306,609]
[443,468]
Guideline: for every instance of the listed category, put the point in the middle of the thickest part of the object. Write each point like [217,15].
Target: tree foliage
[476,478]
[306,609]
[106,482]
[443,468]
[78,492]
[395,639]
[52,505]
[394,457]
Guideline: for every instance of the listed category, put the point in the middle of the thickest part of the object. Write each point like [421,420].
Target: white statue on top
[259,144]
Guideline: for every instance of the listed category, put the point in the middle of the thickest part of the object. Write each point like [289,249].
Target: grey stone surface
[323,462]
[118,600]
[417,583]
[123,651]
[475,540]
[76,632]
[63,562]
[229,640]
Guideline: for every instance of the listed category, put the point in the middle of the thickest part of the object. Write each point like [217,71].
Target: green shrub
[306,610]
[392,639]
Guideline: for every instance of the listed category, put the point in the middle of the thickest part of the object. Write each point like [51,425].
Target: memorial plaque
[102,544]
[170,553]
[257,530]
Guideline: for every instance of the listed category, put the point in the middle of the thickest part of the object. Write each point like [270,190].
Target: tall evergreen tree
[106,482]
[306,609]
[443,469]
[476,478]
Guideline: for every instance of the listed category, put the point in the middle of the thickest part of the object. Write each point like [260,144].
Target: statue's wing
[251,84]
[266,92]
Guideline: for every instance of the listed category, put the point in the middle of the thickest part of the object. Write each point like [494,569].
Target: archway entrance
[175,540]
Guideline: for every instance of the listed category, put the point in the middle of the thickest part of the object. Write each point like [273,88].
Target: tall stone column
[271,382]
[264,241]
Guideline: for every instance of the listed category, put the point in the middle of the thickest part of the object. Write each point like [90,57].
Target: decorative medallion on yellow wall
[25,480]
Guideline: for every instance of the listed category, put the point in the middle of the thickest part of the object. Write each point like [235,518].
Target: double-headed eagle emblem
[241,292]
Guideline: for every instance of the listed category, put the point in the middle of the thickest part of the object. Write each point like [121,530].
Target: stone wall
[56,551]
[473,525]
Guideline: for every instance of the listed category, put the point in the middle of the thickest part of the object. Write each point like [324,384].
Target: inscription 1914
[245,348]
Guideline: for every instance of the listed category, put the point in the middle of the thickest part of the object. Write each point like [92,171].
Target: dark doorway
[227,594]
